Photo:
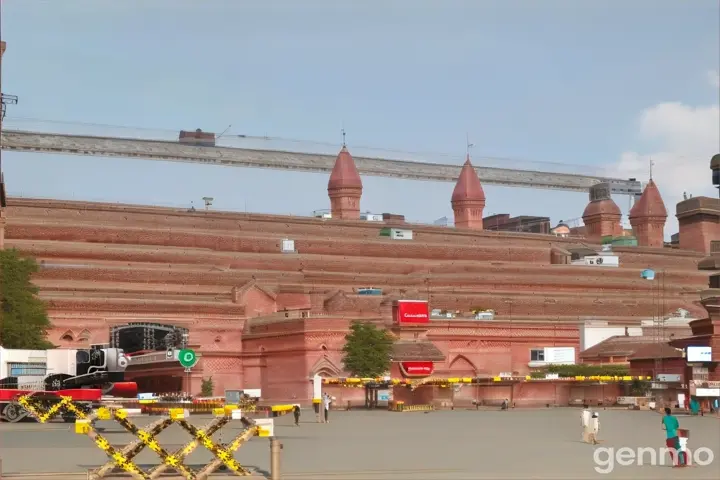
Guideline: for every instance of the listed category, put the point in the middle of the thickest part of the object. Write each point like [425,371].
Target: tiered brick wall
[146,263]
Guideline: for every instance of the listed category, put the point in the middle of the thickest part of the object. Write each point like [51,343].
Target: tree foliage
[640,388]
[23,320]
[367,350]
[207,387]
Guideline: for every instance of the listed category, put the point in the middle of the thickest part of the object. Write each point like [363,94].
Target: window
[537,355]
[27,369]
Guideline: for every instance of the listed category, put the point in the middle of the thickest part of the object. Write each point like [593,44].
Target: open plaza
[379,445]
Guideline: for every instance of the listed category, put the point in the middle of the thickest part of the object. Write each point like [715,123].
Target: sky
[575,86]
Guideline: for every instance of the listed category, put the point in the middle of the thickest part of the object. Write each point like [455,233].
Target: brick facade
[223,276]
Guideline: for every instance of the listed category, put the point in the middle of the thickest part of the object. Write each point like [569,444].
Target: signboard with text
[417,369]
[410,312]
[560,355]
[707,392]
[699,354]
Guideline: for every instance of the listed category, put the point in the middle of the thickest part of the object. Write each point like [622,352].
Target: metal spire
[651,167]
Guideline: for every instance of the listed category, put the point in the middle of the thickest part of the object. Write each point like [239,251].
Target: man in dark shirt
[296,414]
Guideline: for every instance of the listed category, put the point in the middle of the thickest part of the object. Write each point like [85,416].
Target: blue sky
[598,85]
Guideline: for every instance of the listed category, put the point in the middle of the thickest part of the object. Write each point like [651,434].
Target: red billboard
[411,311]
[417,369]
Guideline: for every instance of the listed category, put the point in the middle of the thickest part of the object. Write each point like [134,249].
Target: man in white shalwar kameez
[594,428]
[585,418]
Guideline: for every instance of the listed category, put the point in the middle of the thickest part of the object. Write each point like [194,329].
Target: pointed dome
[650,204]
[468,185]
[344,173]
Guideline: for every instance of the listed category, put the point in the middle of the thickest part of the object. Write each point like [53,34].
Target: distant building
[524,223]
[561,230]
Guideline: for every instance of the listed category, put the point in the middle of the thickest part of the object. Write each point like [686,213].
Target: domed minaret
[648,217]
[468,199]
[602,215]
[345,187]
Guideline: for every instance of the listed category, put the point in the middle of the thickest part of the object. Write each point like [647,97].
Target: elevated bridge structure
[173,151]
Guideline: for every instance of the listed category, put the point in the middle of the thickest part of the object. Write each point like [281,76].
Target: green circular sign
[187,358]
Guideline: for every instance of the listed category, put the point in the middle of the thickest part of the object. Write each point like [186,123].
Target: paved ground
[459,445]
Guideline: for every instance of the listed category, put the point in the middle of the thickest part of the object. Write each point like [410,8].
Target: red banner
[417,369]
[411,311]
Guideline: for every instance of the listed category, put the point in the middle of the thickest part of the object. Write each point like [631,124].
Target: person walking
[694,406]
[326,404]
[296,414]
[670,424]
[594,428]
[585,418]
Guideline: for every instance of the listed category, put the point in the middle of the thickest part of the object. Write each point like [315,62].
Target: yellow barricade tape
[417,408]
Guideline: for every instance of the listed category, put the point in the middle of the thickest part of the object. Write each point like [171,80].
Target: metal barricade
[122,458]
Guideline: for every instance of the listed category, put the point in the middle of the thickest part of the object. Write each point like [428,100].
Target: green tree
[23,320]
[639,388]
[207,387]
[367,350]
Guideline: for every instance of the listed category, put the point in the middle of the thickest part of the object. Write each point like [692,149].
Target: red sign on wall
[411,311]
[417,369]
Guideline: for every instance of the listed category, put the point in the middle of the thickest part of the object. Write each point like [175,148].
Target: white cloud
[686,138]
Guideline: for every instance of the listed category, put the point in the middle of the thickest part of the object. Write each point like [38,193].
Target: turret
[468,199]
[345,188]
[648,217]
[602,215]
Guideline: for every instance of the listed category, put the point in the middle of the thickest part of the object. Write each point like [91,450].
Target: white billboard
[707,392]
[560,355]
[699,354]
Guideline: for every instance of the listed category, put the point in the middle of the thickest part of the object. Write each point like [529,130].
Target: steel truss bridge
[27,141]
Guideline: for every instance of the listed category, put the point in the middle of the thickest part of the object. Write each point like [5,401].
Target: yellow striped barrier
[123,458]
[280,410]
[415,408]
[360,382]
[43,414]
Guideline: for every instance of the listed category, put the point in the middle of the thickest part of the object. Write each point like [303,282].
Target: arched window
[326,372]
[84,336]
[67,336]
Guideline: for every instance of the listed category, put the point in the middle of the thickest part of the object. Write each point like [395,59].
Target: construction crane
[175,151]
